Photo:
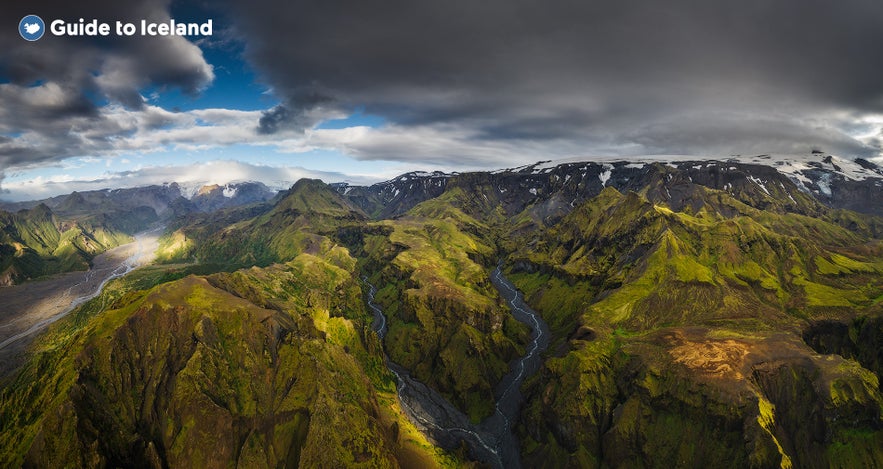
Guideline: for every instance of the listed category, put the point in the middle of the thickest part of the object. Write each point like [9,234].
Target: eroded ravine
[492,440]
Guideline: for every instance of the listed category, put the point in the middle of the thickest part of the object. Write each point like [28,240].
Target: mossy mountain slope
[35,242]
[297,222]
[446,322]
[689,322]
[701,315]
[263,367]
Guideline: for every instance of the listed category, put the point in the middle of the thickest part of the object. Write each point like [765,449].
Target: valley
[581,314]
[30,307]
[491,441]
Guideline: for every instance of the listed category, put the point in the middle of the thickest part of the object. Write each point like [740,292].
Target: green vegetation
[702,329]
[268,366]
[254,367]
[446,323]
[36,243]
[622,280]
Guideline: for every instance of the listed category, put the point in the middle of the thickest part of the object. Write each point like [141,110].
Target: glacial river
[492,440]
[30,307]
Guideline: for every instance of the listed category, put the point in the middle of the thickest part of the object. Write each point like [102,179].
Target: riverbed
[28,308]
[492,440]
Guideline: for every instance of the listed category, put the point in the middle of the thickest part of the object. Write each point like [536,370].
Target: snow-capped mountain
[764,179]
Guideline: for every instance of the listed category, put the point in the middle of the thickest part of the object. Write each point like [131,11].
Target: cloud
[438,146]
[104,65]
[272,119]
[581,73]
[305,114]
[53,103]
[713,133]
[108,131]
[460,84]
[191,177]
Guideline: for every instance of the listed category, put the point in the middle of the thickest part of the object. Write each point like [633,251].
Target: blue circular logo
[31,27]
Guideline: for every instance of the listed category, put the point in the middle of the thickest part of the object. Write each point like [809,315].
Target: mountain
[36,242]
[296,221]
[215,197]
[64,233]
[826,179]
[668,281]
[434,270]
[166,201]
[716,302]
[157,198]
[701,312]
[395,197]
[249,368]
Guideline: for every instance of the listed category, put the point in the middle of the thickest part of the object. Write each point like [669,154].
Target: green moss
[446,323]
[35,243]
[855,448]
[823,295]
[208,375]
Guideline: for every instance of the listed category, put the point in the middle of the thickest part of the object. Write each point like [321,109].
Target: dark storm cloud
[76,61]
[298,114]
[273,118]
[615,73]
[57,86]
[716,133]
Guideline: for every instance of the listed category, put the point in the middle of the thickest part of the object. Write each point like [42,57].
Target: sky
[360,91]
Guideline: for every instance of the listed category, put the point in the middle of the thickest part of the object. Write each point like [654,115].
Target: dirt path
[28,308]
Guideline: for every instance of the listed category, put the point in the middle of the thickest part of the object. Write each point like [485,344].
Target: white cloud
[190,176]
[447,146]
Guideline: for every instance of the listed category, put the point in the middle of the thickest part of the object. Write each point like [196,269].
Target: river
[32,306]
[492,440]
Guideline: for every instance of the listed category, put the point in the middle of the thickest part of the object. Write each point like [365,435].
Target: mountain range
[66,232]
[702,312]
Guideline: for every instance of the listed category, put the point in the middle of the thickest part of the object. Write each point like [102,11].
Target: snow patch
[787,164]
[605,176]
[824,184]
[759,183]
[189,189]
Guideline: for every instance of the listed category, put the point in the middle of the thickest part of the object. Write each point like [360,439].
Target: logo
[31,27]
